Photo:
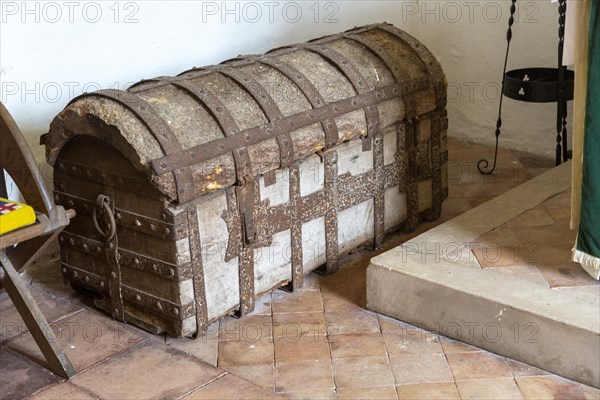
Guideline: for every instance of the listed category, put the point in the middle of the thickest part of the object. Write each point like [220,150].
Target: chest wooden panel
[197,193]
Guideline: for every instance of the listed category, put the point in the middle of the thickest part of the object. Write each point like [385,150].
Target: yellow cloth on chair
[14,215]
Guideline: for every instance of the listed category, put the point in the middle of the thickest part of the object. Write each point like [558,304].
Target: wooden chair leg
[25,253]
[3,188]
[34,319]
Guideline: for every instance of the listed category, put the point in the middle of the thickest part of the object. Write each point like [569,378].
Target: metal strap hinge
[104,209]
[245,197]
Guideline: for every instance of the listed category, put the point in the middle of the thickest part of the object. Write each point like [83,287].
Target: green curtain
[588,241]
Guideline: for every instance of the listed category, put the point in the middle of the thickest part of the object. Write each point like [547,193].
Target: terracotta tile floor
[318,343]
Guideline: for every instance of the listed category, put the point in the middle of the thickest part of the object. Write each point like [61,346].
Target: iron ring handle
[103,202]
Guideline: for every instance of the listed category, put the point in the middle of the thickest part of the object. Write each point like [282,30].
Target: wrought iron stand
[538,85]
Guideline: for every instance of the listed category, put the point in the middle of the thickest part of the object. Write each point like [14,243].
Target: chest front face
[270,187]
[142,272]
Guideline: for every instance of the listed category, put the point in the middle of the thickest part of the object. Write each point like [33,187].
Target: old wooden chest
[197,193]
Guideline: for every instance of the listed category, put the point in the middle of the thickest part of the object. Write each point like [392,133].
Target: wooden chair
[30,241]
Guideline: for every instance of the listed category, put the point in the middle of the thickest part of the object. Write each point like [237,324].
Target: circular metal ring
[103,203]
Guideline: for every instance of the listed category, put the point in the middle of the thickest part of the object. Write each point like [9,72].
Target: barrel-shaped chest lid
[204,129]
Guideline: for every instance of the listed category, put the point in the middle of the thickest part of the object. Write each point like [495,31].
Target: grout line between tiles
[519,387]
[203,385]
[132,348]
[43,360]
[26,332]
[387,355]
[86,390]
[43,389]
[327,337]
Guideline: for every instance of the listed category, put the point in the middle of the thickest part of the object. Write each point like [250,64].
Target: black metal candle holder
[538,85]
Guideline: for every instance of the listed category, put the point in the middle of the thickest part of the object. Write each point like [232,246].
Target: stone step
[435,283]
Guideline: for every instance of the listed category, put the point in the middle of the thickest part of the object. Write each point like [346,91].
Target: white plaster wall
[52,51]
[469,38]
